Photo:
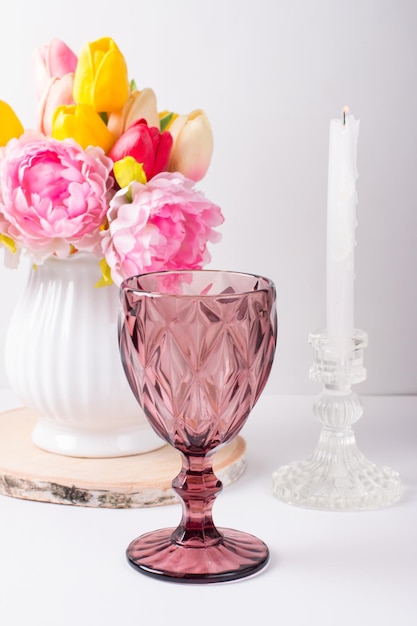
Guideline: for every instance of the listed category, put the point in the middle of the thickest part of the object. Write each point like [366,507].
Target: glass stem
[197,486]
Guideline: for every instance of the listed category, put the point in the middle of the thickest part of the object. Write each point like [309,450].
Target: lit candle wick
[345,111]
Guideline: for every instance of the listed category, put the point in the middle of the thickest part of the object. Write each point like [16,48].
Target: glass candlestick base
[337,476]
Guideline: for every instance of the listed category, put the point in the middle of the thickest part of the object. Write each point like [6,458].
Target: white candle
[341,224]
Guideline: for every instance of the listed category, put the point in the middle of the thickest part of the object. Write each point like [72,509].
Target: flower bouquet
[101,189]
[103,171]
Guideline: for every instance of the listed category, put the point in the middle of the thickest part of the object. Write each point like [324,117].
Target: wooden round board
[141,480]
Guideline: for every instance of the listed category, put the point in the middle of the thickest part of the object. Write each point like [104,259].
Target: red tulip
[147,145]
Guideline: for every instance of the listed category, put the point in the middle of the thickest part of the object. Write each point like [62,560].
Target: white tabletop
[65,565]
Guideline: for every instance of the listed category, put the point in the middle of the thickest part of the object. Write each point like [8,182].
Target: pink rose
[146,144]
[54,69]
[167,225]
[54,195]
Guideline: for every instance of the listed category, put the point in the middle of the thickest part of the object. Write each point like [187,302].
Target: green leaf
[164,121]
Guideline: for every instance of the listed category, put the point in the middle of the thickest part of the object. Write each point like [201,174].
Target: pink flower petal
[169,221]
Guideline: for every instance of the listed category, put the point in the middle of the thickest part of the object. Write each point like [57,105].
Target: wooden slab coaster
[141,480]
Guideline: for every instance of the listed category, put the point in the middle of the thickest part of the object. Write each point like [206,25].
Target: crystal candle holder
[337,476]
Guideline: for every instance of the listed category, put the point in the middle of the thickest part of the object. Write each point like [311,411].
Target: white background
[270,75]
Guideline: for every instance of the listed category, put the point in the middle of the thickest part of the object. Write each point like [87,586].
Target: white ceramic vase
[62,360]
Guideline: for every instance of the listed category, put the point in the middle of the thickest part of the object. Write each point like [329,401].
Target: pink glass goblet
[197,348]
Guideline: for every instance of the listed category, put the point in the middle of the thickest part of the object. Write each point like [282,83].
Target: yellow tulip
[193,145]
[101,77]
[10,125]
[83,124]
[139,105]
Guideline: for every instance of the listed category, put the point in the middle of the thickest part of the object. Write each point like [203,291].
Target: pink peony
[163,225]
[54,195]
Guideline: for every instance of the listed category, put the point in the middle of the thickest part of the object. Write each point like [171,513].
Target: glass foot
[236,555]
[337,483]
